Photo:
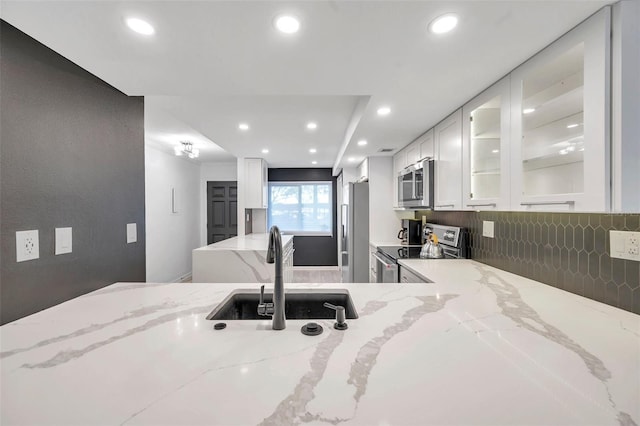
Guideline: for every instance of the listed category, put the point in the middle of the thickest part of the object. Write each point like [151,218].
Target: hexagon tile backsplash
[569,251]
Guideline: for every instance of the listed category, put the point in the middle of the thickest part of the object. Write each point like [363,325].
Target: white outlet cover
[64,241]
[27,245]
[487,229]
[624,245]
[132,233]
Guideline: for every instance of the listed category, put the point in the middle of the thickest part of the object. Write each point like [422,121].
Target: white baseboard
[316,268]
[182,278]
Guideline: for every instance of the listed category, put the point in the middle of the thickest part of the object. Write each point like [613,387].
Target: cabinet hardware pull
[481,205]
[446,205]
[546,203]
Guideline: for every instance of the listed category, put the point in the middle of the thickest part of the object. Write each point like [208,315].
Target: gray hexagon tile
[565,250]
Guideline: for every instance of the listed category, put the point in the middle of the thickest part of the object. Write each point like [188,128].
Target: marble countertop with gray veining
[478,346]
[259,241]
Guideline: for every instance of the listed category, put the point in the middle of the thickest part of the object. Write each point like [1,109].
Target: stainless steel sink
[242,304]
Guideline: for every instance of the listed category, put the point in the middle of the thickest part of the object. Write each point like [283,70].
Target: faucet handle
[264,309]
[340,316]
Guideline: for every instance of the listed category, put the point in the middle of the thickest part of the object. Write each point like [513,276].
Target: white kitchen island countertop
[245,242]
[478,347]
[236,260]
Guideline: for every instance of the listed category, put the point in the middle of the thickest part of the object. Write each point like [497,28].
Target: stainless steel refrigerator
[355,233]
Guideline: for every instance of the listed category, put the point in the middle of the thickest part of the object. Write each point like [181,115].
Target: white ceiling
[212,64]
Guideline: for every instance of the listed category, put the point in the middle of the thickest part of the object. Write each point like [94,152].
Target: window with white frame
[301,208]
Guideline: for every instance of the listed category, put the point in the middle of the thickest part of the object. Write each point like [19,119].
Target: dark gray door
[222,211]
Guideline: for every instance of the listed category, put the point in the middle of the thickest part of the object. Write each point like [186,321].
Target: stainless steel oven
[415,185]
[454,242]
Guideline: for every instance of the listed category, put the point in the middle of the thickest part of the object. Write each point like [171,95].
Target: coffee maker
[411,234]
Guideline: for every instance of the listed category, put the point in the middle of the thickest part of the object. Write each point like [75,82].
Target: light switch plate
[132,233]
[624,245]
[64,241]
[27,245]
[487,228]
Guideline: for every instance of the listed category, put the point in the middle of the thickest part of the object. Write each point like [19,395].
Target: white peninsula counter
[479,346]
[240,259]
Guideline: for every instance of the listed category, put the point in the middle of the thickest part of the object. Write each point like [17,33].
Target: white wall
[170,237]
[625,79]
[384,223]
[226,171]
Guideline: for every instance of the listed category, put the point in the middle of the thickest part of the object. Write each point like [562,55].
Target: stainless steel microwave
[415,185]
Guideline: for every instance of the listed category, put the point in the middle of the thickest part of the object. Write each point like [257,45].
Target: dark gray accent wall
[72,155]
[316,250]
[569,251]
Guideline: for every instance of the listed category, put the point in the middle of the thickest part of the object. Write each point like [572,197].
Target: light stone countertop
[398,243]
[245,242]
[478,346]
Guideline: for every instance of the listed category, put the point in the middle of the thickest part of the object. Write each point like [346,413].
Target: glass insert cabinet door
[560,123]
[553,126]
[486,149]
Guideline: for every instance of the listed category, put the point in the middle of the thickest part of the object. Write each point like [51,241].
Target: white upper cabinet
[425,143]
[448,164]
[399,163]
[256,181]
[413,153]
[363,171]
[560,123]
[485,149]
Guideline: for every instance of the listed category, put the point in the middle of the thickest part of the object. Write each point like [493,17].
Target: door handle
[482,205]
[546,203]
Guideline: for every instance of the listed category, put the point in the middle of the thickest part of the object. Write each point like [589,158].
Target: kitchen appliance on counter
[453,240]
[415,185]
[411,232]
[355,234]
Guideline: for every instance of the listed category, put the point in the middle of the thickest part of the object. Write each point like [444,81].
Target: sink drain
[311,329]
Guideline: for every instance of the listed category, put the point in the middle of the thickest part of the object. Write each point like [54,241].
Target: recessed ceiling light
[314,162]
[243,126]
[287,24]
[385,110]
[140,26]
[351,159]
[571,126]
[528,110]
[443,24]
[265,151]
[313,150]
[362,142]
[495,151]
[311,125]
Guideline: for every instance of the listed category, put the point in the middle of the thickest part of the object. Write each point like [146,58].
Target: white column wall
[170,237]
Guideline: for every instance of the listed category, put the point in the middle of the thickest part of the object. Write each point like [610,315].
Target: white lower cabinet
[448,174]
[407,276]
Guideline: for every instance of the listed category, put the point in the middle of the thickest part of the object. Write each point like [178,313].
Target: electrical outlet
[27,245]
[487,229]
[625,245]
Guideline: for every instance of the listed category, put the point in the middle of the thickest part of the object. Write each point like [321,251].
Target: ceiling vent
[386,150]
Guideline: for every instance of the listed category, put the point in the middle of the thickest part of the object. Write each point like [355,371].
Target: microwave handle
[413,185]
